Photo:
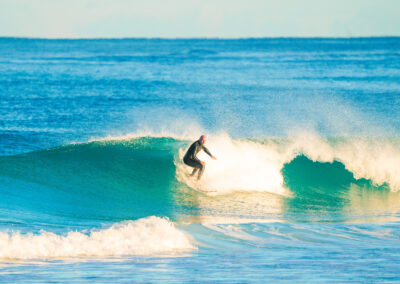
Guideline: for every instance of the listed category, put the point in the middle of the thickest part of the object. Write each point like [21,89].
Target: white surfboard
[196,185]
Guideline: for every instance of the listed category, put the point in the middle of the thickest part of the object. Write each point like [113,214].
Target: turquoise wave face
[134,178]
[98,180]
[326,188]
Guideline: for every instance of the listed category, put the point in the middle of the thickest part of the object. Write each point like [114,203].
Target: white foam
[243,165]
[147,236]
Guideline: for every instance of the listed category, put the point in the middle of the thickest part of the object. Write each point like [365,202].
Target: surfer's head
[202,139]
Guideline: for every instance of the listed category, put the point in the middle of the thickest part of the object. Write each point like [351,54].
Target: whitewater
[305,188]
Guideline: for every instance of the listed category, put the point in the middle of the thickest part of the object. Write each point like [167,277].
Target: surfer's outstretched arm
[208,152]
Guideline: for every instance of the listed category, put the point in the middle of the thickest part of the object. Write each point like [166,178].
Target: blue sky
[199,18]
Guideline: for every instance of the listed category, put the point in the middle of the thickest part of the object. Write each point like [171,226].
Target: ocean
[305,188]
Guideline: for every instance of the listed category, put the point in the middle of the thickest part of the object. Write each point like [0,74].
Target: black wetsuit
[191,160]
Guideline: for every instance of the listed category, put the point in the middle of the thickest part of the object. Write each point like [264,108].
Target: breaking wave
[147,236]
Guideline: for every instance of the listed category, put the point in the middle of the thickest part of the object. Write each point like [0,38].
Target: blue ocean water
[305,187]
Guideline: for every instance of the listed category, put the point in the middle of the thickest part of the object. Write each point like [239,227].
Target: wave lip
[246,165]
[373,159]
[146,236]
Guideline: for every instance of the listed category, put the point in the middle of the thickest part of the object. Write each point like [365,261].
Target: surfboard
[196,185]
[204,191]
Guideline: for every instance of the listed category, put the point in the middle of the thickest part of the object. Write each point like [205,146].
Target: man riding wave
[191,160]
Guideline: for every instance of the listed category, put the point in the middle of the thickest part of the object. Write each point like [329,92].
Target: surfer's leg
[196,165]
[193,172]
[200,172]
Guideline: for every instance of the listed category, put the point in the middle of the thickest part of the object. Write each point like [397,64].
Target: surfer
[191,160]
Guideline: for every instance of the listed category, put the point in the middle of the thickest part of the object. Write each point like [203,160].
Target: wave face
[95,179]
[138,177]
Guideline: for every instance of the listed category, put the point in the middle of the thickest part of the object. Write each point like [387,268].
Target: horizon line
[199,38]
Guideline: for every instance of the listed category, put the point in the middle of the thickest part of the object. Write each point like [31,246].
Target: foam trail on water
[146,236]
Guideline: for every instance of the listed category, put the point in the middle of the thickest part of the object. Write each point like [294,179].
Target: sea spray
[146,236]
[241,165]
[256,165]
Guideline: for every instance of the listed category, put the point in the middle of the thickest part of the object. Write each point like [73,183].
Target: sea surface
[305,188]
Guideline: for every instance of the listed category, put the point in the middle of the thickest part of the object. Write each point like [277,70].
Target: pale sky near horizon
[199,18]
